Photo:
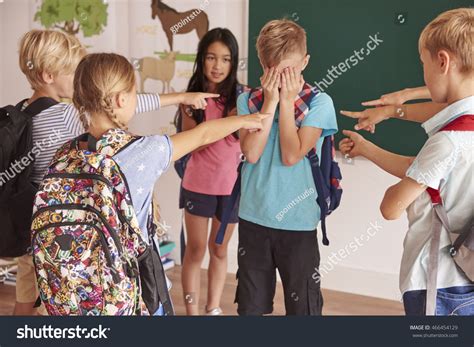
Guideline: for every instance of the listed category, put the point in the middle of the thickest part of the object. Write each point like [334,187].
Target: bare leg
[217,264]
[24,309]
[196,231]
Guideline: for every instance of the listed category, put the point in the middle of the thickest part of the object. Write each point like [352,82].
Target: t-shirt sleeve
[434,162]
[150,155]
[321,115]
[72,120]
[147,102]
[242,104]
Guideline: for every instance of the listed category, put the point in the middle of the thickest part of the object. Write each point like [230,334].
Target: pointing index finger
[351,114]
[377,102]
[210,95]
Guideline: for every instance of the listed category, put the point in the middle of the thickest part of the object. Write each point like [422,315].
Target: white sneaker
[214,312]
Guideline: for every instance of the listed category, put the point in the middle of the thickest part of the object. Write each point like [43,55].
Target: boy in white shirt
[445,163]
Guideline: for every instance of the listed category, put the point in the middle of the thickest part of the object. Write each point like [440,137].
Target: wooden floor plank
[335,303]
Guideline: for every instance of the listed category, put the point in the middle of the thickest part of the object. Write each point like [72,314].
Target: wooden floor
[335,303]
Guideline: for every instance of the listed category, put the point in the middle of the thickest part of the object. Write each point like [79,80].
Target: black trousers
[295,254]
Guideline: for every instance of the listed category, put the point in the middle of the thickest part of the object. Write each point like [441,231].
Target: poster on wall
[159,37]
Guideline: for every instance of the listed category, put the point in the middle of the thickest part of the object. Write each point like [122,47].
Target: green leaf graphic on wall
[72,16]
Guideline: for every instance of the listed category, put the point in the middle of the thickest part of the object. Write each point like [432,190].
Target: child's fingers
[351,114]
[365,123]
[275,79]
[370,128]
[264,77]
[345,141]
[346,147]
[350,134]
[263,116]
[200,104]
[283,81]
[377,102]
[292,74]
[209,95]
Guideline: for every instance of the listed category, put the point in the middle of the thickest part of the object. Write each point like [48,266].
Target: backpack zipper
[101,178]
[103,241]
[112,232]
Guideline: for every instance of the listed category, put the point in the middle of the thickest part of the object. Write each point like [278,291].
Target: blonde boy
[445,163]
[49,58]
[278,210]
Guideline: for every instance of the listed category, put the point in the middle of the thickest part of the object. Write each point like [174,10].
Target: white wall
[370,270]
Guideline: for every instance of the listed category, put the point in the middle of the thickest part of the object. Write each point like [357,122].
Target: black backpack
[16,189]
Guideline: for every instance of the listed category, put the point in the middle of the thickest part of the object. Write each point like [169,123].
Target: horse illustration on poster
[162,69]
[178,23]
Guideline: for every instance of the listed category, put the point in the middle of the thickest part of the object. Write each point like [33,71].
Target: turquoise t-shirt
[278,196]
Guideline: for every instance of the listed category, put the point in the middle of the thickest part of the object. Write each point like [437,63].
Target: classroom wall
[370,270]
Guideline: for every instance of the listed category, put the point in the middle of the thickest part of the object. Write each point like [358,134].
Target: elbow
[289,160]
[251,155]
[389,211]
[251,158]
[388,214]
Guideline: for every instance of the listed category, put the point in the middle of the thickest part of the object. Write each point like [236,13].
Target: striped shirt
[60,123]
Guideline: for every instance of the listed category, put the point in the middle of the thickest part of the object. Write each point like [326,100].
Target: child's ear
[305,62]
[444,61]
[120,100]
[48,78]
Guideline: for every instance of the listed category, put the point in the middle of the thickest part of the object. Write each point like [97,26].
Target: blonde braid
[106,105]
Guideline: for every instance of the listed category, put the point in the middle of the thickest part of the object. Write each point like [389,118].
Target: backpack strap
[462,123]
[109,144]
[37,106]
[234,197]
[440,219]
[320,187]
[91,142]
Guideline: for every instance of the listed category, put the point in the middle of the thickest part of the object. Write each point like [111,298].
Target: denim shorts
[453,301]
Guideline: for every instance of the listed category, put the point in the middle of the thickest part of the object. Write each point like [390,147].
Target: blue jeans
[159,312]
[454,301]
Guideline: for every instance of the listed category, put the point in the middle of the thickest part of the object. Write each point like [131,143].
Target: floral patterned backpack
[87,245]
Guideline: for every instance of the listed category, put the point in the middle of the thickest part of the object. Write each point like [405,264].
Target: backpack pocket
[76,270]
[68,267]
[456,301]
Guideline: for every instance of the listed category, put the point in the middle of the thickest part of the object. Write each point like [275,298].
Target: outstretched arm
[212,131]
[355,145]
[400,97]
[420,113]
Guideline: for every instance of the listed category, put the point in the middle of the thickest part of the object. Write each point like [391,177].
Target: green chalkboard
[335,29]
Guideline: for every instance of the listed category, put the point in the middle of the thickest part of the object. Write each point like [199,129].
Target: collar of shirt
[448,114]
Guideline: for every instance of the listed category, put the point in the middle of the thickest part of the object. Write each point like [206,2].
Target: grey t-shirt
[142,163]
